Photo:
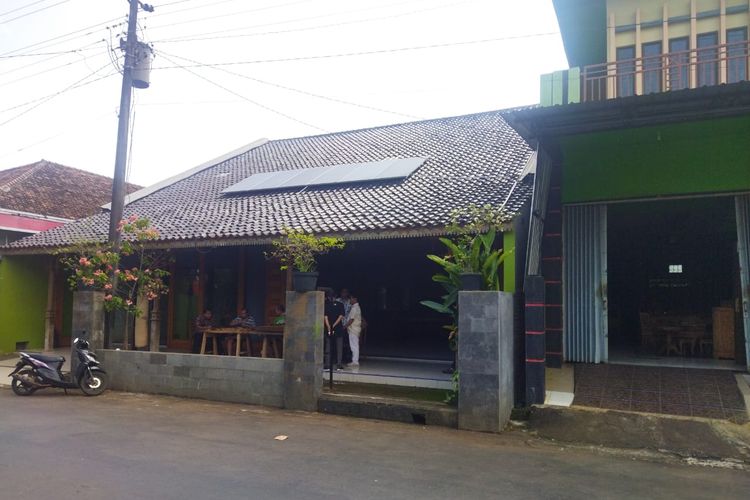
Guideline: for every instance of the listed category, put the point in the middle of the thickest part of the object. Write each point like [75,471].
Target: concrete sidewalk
[8,364]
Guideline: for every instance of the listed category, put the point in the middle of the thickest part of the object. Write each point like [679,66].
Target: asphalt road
[127,446]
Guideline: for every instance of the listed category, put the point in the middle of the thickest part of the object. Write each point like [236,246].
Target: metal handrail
[723,63]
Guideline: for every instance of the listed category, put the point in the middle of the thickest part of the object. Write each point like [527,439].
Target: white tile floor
[395,371]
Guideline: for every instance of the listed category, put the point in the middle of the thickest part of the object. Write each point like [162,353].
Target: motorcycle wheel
[21,389]
[94,383]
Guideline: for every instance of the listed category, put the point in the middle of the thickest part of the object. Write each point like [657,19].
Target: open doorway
[390,278]
[673,280]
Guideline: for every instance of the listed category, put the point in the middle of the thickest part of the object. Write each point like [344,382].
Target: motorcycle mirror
[75,340]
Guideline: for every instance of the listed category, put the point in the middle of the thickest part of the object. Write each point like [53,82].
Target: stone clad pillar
[303,350]
[88,316]
[485,360]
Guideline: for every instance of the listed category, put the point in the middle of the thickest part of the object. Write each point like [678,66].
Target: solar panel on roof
[388,169]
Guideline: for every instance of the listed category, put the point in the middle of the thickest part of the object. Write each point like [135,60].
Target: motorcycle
[37,371]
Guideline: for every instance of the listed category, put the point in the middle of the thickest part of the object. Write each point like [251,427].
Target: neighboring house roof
[53,190]
[473,159]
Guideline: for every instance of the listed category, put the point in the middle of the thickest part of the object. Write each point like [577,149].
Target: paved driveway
[146,447]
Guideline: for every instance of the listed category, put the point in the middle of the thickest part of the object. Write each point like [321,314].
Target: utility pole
[123,127]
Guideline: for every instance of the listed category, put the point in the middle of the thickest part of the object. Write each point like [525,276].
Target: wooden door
[723,332]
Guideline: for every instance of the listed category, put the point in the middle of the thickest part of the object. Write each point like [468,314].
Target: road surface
[128,446]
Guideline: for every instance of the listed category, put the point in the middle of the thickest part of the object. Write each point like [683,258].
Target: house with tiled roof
[44,195]
[219,217]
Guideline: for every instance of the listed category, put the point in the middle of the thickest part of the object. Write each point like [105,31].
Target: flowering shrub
[123,275]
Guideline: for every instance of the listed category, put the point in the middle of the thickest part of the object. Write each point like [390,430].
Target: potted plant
[299,250]
[471,263]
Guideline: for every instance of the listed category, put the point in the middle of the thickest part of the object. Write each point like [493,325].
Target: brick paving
[672,391]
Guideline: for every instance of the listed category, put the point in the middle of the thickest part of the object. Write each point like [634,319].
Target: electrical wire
[368,52]
[21,7]
[52,96]
[33,75]
[296,90]
[34,12]
[317,27]
[65,35]
[245,98]
[228,14]
[159,13]
[288,21]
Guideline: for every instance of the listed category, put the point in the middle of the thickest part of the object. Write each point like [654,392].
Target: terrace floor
[396,371]
[668,390]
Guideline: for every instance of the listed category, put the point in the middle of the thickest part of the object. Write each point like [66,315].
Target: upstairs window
[625,71]
[737,55]
[679,61]
[708,57]
[651,67]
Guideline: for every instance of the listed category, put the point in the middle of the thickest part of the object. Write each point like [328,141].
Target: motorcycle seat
[47,359]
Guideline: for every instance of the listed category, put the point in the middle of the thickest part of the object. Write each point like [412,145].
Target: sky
[228,72]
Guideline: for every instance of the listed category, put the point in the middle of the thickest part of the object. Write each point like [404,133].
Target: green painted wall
[23,301]
[509,265]
[688,158]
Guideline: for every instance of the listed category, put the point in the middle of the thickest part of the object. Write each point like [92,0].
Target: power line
[317,27]
[39,54]
[300,91]
[367,52]
[55,68]
[160,13]
[288,21]
[35,11]
[202,19]
[52,96]
[21,8]
[65,35]
[245,98]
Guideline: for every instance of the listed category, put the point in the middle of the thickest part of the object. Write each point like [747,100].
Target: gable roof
[474,158]
[54,190]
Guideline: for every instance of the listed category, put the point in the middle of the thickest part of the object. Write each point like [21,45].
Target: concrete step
[386,408]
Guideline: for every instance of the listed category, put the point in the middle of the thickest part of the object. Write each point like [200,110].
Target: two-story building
[641,208]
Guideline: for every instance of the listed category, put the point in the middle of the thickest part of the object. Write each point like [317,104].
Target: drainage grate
[22,346]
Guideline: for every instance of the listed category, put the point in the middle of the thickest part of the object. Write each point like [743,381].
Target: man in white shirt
[354,328]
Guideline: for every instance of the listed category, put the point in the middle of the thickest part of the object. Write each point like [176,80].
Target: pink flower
[108,286]
[83,261]
[108,297]
[129,302]
[117,271]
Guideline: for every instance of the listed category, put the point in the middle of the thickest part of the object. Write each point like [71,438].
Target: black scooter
[37,371]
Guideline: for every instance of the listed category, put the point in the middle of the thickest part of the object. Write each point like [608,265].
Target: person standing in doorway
[344,296]
[354,328]
[334,323]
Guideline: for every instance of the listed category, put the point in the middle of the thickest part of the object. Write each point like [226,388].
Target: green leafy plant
[299,250]
[124,275]
[470,249]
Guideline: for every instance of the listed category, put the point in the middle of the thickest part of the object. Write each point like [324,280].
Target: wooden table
[274,333]
[271,331]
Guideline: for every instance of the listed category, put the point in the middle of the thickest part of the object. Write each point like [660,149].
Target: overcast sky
[251,72]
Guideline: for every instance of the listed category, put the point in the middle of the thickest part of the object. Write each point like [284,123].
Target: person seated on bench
[244,320]
[202,323]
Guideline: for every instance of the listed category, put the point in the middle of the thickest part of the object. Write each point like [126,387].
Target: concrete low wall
[220,378]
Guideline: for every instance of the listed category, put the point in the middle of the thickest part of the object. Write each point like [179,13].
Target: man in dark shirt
[202,323]
[334,325]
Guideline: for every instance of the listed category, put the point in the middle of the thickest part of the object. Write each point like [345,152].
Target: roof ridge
[499,112]
[25,175]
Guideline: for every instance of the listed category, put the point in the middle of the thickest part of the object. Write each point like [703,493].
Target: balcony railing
[717,64]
